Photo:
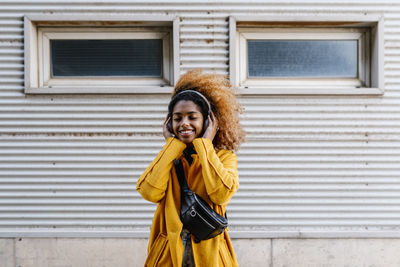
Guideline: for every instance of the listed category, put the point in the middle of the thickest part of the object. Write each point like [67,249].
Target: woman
[204,140]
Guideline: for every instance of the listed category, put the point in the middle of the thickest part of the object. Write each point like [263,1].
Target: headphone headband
[198,93]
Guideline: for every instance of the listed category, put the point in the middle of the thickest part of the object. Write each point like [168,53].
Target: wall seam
[271,261]
[15,252]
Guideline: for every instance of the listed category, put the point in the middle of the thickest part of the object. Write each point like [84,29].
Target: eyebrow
[190,112]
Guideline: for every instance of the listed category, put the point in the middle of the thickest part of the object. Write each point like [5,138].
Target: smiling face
[187,121]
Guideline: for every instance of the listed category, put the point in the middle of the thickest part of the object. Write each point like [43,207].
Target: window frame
[47,34]
[368,29]
[39,30]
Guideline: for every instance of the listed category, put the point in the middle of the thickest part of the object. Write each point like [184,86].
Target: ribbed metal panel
[204,43]
[311,164]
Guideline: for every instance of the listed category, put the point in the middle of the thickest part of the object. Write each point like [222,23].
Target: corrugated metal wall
[312,164]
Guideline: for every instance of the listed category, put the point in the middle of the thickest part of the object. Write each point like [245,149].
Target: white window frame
[39,30]
[302,34]
[368,31]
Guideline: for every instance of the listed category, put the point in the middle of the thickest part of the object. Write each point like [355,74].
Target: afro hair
[219,92]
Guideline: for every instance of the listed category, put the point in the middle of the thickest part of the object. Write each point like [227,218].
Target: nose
[185,122]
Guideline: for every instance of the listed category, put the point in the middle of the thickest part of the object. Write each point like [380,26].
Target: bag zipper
[205,208]
[201,217]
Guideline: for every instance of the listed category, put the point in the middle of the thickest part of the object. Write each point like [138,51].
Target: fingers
[212,128]
[166,132]
[167,119]
[166,122]
[214,120]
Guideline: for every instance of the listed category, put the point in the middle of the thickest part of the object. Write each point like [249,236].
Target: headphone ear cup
[205,126]
[169,125]
[206,123]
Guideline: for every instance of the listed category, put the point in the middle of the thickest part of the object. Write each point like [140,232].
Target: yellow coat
[213,176]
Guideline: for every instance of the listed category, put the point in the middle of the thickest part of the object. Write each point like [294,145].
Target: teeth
[185,132]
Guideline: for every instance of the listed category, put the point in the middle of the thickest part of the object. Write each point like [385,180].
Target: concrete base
[7,253]
[74,252]
[336,252]
[109,252]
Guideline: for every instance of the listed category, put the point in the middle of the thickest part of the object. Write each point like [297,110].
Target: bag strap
[181,175]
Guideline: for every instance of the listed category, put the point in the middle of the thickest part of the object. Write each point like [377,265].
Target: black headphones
[205,125]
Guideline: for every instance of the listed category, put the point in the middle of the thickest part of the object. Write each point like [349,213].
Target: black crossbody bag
[196,215]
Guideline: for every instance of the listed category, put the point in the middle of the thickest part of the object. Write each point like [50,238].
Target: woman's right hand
[166,132]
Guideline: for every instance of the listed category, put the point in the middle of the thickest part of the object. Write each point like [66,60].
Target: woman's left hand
[212,128]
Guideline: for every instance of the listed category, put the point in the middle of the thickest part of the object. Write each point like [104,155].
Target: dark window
[137,57]
[303,58]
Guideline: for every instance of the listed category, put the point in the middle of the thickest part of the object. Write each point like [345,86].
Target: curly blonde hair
[219,92]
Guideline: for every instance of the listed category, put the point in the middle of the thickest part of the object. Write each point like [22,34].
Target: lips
[185,133]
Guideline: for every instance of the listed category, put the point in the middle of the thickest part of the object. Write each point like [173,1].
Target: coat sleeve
[152,184]
[219,172]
